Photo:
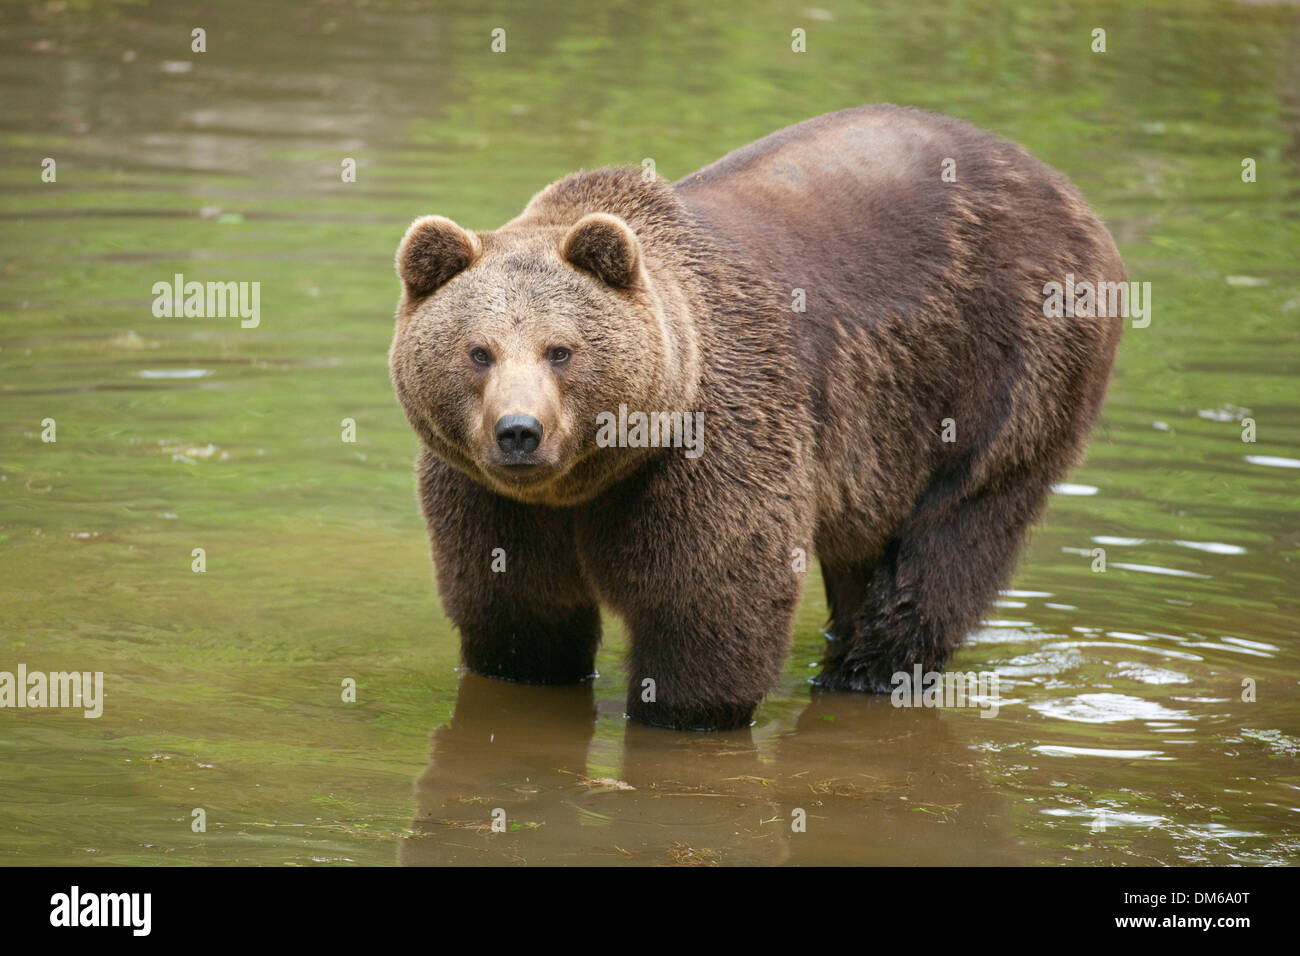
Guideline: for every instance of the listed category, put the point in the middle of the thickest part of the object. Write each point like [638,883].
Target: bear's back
[909,252]
[879,211]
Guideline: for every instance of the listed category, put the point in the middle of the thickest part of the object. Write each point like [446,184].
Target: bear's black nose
[518,433]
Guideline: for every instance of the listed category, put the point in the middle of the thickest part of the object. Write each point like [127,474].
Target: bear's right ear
[434,250]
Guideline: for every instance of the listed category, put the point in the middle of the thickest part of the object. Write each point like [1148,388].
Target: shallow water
[1122,735]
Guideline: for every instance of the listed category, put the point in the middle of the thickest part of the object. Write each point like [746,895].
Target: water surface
[1122,736]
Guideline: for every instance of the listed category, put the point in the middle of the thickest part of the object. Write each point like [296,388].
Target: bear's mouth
[520,471]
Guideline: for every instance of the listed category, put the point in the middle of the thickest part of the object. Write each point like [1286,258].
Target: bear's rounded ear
[604,246]
[433,250]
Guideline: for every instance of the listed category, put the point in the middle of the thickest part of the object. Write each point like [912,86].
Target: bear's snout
[518,435]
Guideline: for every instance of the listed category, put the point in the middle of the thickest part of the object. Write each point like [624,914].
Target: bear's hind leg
[850,588]
[931,586]
[847,585]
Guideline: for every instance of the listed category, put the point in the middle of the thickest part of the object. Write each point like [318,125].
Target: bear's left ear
[605,247]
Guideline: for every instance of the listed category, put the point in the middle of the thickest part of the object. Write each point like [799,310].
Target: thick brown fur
[924,302]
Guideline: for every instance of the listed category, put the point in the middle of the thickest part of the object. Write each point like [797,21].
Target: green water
[1122,737]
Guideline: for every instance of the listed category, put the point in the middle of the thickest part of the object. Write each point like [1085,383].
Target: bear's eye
[558,356]
[481,357]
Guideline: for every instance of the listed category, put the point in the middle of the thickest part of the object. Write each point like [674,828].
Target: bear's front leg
[708,593]
[703,656]
[508,578]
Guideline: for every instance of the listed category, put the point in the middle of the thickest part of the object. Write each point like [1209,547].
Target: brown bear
[850,311]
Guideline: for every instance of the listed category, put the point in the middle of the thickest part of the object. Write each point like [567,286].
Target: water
[1122,737]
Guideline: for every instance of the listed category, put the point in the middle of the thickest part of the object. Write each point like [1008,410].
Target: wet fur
[924,302]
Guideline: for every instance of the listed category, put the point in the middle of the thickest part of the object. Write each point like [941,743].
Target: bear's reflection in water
[874,784]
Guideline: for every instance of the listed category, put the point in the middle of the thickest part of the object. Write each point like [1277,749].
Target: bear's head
[510,344]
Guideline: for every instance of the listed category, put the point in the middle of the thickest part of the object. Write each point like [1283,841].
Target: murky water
[1123,735]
